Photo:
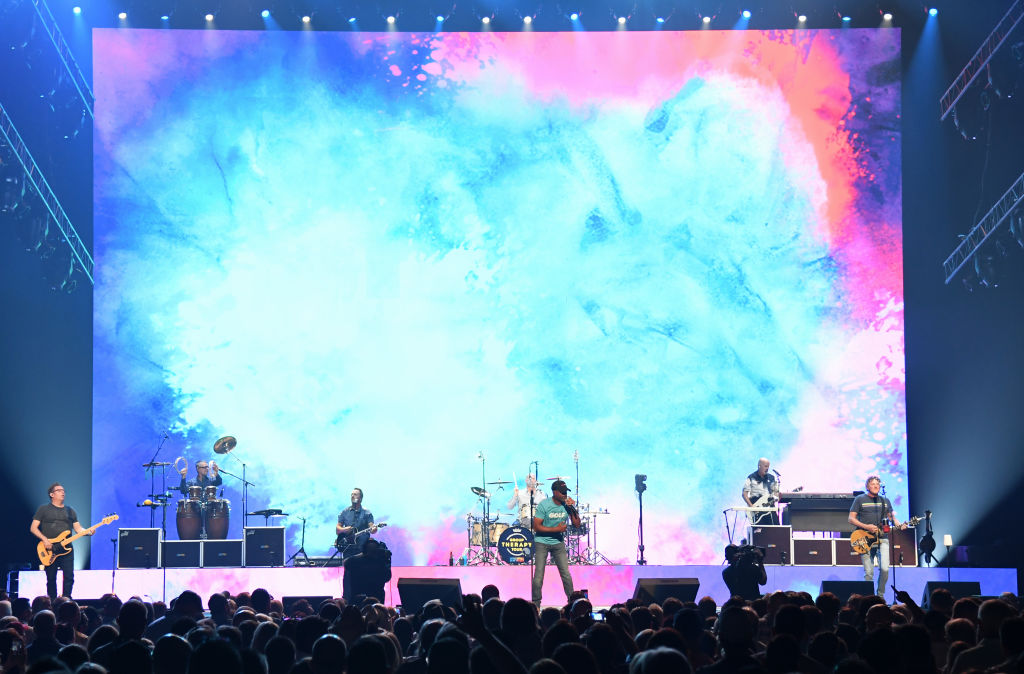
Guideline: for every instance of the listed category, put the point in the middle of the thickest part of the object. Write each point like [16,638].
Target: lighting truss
[984,229]
[42,188]
[57,38]
[981,58]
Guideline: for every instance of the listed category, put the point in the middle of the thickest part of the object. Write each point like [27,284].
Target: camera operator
[745,572]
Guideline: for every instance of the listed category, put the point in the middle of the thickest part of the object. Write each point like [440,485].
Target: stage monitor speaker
[183,554]
[222,553]
[812,551]
[776,541]
[264,546]
[657,590]
[413,593]
[844,588]
[314,602]
[959,589]
[138,548]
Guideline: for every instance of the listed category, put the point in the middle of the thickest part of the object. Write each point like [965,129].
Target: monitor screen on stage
[419,263]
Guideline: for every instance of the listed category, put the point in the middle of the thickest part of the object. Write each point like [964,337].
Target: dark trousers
[65,563]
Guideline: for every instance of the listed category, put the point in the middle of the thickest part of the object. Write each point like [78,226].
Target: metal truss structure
[64,52]
[35,178]
[984,229]
[981,58]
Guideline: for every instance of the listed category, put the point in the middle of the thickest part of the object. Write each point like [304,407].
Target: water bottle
[451,558]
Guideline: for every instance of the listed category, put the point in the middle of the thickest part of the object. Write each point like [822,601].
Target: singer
[549,523]
[762,489]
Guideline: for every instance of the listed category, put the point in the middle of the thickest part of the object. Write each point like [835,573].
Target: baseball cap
[560,486]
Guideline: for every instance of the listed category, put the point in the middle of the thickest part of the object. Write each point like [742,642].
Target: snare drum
[209,493]
[515,545]
[189,519]
[195,492]
[218,515]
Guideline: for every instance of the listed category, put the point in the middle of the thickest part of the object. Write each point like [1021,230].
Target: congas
[218,514]
[195,492]
[189,519]
[209,493]
[515,545]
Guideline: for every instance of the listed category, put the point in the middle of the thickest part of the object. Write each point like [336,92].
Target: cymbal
[556,477]
[481,492]
[156,464]
[225,444]
[501,482]
[269,512]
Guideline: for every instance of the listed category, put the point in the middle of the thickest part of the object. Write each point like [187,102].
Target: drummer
[521,500]
[203,478]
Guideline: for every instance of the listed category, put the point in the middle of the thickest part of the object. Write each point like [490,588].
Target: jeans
[67,564]
[540,556]
[882,552]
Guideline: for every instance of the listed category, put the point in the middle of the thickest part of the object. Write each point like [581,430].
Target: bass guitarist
[355,524]
[50,521]
[872,512]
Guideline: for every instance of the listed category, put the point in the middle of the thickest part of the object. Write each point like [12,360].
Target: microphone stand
[245,491]
[640,489]
[533,556]
[302,546]
[113,564]
[152,477]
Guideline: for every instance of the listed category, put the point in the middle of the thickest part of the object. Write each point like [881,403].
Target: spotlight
[887,16]
[746,14]
[165,18]
[574,16]
[660,19]
[122,16]
[265,14]
[486,20]
[351,19]
[802,18]
[391,19]
[622,20]
[209,17]
[305,19]
[933,12]
[527,20]
[706,20]
[76,9]
[440,19]
[847,18]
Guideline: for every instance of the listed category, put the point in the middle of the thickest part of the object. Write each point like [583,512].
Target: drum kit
[493,540]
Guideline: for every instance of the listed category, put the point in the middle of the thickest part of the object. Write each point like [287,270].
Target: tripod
[302,546]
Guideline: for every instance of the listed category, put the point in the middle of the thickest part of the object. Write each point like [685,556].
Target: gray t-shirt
[870,509]
[54,521]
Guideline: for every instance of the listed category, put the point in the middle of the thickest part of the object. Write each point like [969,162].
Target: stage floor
[606,584]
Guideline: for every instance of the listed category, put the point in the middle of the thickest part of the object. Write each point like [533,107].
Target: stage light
[622,20]
[306,19]
[265,13]
[165,18]
[486,20]
[933,12]
[847,19]
[122,16]
[391,19]
[706,20]
[660,19]
[351,19]
[574,16]
[746,14]
[802,18]
[76,9]
[440,19]
[209,17]
[887,16]
[527,20]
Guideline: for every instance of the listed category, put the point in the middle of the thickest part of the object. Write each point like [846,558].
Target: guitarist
[762,489]
[353,520]
[51,520]
[873,513]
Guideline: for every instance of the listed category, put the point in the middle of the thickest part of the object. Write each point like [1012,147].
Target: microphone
[776,473]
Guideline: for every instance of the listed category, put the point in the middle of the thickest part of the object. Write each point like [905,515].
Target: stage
[606,584]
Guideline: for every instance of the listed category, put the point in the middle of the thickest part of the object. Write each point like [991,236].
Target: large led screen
[420,263]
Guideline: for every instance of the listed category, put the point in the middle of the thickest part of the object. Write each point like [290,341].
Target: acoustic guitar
[862,541]
[339,543]
[62,544]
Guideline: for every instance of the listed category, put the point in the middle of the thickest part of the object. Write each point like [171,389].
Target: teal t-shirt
[551,515]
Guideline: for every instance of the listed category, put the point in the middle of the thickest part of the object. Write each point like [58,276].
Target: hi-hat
[156,464]
[480,491]
[557,477]
[225,444]
[501,482]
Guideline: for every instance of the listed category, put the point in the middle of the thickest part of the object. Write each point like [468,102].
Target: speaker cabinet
[138,548]
[415,592]
[183,554]
[222,553]
[903,542]
[264,546]
[844,588]
[657,590]
[845,556]
[776,540]
[812,551]
[959,589]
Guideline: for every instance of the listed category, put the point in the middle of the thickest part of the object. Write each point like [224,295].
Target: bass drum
[189,519]
[218,515]
[515,545]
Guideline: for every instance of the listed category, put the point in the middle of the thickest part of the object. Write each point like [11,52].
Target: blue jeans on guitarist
[65,563]
[881,551]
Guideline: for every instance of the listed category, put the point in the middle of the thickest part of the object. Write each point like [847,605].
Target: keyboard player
[761,489]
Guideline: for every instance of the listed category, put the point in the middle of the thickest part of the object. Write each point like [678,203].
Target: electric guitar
[61,544]
[862,541]
[342,540]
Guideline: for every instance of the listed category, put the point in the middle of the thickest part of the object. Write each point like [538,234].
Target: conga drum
[218,514]
[189,519]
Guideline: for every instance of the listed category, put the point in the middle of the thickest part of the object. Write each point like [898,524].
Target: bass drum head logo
[515,545]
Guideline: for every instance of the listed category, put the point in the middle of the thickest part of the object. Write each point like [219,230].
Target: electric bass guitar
[342,541]
[62,544]
[862,541]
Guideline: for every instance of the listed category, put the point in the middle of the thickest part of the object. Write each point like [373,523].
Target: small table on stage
[750,513]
